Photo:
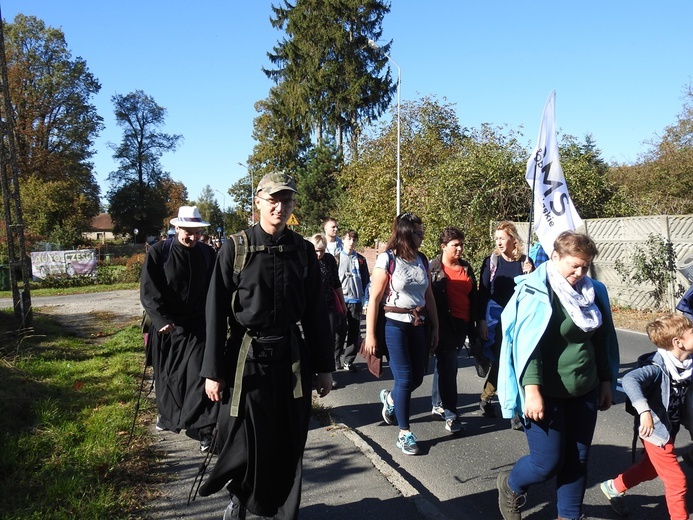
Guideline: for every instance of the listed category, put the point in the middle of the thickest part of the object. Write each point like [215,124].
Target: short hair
[327,221]
[352,235]
[318,240]
[575,244]
[667,327]
[510,229]
[449,234]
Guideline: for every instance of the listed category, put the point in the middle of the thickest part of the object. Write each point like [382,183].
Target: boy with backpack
[658,392]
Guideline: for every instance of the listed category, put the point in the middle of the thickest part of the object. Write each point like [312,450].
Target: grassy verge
[35,291]
[66,405]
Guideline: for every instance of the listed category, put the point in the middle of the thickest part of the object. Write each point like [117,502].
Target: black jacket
[439,287]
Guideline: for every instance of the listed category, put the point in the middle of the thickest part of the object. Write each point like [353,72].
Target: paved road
[457,474]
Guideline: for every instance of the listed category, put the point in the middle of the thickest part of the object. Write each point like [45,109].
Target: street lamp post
[375,46]
[223,212]
[252,194]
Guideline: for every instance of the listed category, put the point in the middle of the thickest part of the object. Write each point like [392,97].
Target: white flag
[554,211]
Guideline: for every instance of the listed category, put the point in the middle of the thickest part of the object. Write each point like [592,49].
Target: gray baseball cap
[275,182]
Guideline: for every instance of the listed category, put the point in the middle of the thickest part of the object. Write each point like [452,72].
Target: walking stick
[202,469]
[148,344]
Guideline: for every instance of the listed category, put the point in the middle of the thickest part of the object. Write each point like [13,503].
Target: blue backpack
[685,306]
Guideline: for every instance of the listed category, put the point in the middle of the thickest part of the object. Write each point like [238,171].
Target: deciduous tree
[139,174]
[55,125]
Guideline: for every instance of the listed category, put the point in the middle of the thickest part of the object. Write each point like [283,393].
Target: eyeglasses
[275,202]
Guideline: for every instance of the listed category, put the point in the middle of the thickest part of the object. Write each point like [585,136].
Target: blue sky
[618,68]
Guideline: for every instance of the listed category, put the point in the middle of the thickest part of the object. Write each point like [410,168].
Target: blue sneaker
[388,409]
[407,443]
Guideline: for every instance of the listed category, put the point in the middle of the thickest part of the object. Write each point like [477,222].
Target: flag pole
[531,209]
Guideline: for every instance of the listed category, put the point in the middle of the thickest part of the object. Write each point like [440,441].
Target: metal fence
[619,238]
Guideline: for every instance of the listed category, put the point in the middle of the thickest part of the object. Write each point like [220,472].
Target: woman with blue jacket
[559,360]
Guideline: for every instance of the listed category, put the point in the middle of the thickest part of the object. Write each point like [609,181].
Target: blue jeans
[559,446]
[408,356]
[444,386]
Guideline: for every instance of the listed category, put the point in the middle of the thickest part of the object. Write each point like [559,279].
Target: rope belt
[240,368]
[416,313]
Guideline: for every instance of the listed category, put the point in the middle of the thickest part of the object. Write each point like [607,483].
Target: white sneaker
[454,426]
[438,411]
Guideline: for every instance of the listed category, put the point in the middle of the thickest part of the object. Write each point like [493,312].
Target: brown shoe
[509,502]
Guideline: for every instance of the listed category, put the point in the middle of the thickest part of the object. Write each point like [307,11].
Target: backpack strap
[391,262]
[493,266]
[165,252]
[241,249]
[424,260]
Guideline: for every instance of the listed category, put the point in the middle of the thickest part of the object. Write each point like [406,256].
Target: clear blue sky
[618,68]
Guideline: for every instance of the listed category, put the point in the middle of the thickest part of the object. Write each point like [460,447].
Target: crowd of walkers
[233,369]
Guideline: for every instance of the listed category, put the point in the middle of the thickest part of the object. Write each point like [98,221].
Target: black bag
[685,306]
[643,360]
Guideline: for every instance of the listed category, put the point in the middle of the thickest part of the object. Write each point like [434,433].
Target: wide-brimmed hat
[189,217]
[275,182]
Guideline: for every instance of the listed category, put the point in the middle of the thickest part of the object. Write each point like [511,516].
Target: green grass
[66,405]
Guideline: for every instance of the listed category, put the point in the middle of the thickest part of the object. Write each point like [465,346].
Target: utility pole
[9,179]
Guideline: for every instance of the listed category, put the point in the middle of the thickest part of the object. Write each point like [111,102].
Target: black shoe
[516,424]
[205,442]
[482,365]
[487,408]
[509,502]
[350,367]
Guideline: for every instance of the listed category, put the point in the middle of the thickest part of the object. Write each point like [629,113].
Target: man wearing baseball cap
[261,370]
[173,291]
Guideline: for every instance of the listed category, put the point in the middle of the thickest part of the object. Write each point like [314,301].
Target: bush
[61,281]
[654,264]
[133,269]
[108,275]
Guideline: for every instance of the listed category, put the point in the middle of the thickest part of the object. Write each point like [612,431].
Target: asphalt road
[458,474]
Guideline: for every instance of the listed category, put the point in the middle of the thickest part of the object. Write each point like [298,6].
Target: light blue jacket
[524,320]
[641,385]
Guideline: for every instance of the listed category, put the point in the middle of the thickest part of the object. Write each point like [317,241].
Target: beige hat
[275,182]
[189,217]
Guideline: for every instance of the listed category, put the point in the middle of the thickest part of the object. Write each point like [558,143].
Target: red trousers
[659,462]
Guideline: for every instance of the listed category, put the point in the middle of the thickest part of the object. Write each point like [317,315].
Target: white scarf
[578,300]
[678,370]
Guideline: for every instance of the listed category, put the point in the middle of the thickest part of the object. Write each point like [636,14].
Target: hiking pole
[139,393]
[202,469]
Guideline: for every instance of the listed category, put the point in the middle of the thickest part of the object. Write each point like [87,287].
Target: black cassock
[173,290]
[262,447]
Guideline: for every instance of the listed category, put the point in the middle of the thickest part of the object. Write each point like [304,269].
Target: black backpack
[643,360]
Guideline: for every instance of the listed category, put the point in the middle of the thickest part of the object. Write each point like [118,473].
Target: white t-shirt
[334,248]
[407,287]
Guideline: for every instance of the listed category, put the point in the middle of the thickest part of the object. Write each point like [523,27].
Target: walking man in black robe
[173,291]
[262,371]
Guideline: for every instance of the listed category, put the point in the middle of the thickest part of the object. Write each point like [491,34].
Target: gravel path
[81,312]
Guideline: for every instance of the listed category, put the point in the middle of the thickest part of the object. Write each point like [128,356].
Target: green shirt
[564,363]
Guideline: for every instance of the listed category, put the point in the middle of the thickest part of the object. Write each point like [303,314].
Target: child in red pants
[658,389]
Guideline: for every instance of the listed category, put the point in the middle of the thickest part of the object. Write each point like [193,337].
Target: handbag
[375,361]
[338,308]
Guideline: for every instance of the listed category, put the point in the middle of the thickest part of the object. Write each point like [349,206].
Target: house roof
[102,222]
